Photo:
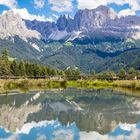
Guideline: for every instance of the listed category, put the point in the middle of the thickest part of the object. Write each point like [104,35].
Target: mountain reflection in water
[70,114]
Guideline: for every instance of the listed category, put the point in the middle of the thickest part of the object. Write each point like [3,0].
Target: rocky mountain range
[90,40]
[95,25]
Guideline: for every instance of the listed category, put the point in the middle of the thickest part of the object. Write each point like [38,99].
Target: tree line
[23,68]
[123,74]
[26,69]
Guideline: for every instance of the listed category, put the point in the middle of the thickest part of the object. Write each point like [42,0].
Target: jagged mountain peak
[95,17]
[106,11]
[62,22]
[103,8]
[101,23]
[10,14]
[11,24]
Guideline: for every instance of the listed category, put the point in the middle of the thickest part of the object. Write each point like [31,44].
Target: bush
[10,85]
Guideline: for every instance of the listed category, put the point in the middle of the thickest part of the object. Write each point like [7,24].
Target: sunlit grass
[49,84]
[134,84]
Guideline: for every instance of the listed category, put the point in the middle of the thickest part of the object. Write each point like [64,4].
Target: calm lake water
[70,114]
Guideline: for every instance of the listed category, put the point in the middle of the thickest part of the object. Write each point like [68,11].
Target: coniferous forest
[15,68]
[23,68]
[18,69]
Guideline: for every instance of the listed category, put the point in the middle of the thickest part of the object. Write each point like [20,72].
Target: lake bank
[27,84]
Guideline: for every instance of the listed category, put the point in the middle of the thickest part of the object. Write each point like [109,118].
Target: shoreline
[27,84]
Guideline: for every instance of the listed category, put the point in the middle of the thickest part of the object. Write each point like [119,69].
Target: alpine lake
[70,114]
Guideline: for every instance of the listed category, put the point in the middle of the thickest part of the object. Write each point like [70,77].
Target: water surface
[70,114]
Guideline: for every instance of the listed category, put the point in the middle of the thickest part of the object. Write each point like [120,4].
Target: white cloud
[91,4]
[9,3]
[26,15]
[126,12]
[51,19]
[41,137]
[134,134]
[39,3]
[63,134]
[61,6]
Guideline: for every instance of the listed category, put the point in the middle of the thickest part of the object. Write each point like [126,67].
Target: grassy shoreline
[26,84]
[133,84]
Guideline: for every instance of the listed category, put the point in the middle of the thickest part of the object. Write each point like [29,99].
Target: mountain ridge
[92,39]
[92,24]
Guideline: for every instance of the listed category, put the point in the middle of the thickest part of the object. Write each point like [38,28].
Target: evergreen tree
[132,73]
[4,64]
[43,71]
[68,72]
[14,68]
[28,69]
[72,73]
[122,74]
[53,72]
[62,73]
[22,70]
[107,75]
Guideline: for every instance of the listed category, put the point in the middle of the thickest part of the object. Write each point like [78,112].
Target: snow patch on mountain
[59,35]
[36,47]
[75,35]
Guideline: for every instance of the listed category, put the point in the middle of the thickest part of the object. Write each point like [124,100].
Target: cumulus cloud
[63,135]
[91,4]
[39,3]
[9,3]
[26,15]
[61,6]
[126,12]
[120,135]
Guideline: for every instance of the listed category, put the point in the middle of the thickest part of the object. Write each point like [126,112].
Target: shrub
[10,85]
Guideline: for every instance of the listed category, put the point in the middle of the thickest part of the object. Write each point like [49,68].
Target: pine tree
[4,64]
[53,72]
[132,73]
[22,70]
[14,68]
[122,74]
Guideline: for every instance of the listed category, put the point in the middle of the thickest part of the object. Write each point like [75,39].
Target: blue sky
[51,9]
